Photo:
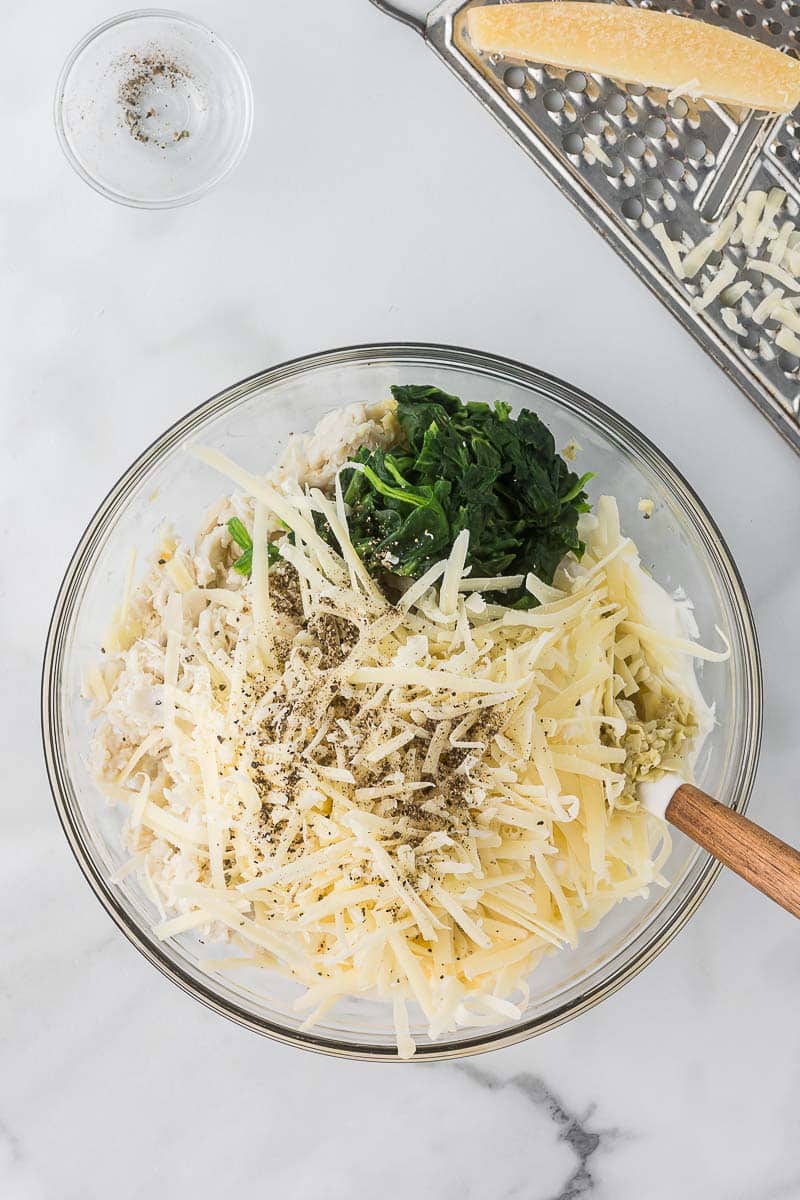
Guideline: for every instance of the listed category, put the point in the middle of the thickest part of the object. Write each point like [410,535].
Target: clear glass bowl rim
[58,113]
[649,942]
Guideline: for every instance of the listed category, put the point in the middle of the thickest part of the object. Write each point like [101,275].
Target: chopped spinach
[465,466]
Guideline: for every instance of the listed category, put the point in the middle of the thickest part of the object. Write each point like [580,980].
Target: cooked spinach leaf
[465,466]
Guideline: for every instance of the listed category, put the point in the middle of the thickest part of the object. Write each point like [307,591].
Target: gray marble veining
[576,1130]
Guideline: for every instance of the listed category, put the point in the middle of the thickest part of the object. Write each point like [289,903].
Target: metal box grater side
[631,158]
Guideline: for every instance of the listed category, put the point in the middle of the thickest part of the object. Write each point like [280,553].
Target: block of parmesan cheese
[638,46]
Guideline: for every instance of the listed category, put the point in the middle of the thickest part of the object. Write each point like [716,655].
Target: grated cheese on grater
[751,224]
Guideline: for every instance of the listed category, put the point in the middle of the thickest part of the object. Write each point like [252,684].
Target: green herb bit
[244,564]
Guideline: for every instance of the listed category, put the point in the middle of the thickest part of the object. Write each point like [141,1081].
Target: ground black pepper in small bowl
[148,75]
[153,109]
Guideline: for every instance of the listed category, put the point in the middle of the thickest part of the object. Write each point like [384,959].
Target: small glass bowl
[250,422]
[153,109]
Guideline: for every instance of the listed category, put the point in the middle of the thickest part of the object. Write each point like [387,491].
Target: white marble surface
[351,219]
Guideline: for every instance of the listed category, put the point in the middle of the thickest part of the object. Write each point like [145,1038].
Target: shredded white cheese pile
[410,801]
[765,241]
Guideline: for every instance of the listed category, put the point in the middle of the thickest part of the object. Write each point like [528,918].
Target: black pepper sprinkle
[147,73]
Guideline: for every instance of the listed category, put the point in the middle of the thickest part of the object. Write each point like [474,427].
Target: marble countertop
[351,219]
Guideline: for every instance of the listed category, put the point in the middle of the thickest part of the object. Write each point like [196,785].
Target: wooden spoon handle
[762,859]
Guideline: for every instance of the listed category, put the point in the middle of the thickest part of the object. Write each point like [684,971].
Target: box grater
[631,158]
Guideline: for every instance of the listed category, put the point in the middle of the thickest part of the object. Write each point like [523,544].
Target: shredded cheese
[788,341]
[764,310]
[410,802]
[736,292]
[671,250]
[723,277]
[784,277]
[697,257]
[732,321]
[754,224]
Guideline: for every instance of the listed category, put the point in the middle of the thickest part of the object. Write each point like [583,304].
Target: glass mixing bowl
[250,422]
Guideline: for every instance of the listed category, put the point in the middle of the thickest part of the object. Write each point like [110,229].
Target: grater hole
[632,208]
[678,108]
[653,189]
[573,143]
[778,150]
[699,4]
[695,149]
[721,9]
[788,363]
[746,18]
[616,104]
[673,170]
[635,89]
[791,10]
[767,3]
[514,77]
[594,123]
[575,81]
[749,340]
[655,127]
[553,101]
[634,146]
[773,27]
[614,167]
